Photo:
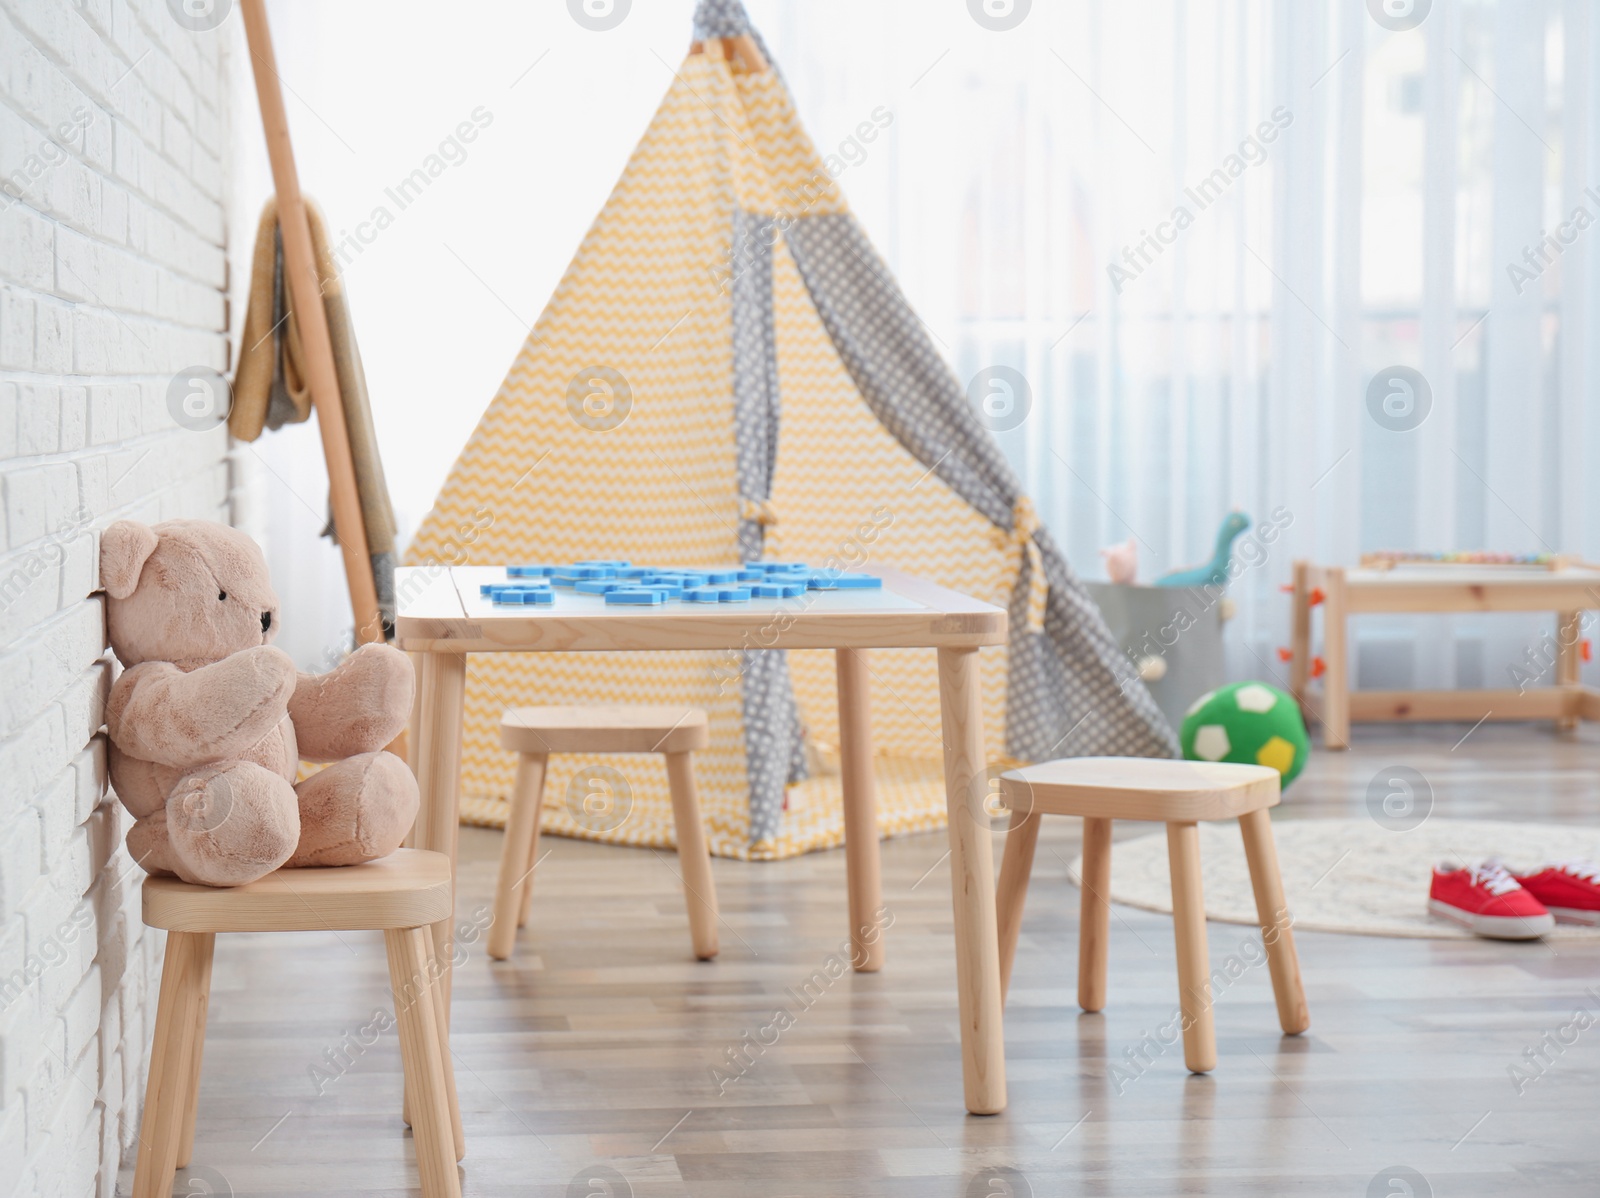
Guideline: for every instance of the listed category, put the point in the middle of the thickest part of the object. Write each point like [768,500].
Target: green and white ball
[1250,723]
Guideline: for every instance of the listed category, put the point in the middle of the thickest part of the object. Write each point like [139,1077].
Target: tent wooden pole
[312,319]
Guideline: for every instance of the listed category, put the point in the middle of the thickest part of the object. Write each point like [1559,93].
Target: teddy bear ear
[124,548]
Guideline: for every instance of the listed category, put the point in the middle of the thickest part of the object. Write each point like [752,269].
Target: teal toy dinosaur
[1214,572]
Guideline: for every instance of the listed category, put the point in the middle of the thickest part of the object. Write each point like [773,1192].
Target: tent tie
[1021,546]
[759,510]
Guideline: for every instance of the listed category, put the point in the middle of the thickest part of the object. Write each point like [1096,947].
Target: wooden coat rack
[305,290]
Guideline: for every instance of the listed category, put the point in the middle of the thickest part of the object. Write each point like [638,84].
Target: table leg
[862,868]
[983,1062]
[414,733]
[1300,637]
[436,761]
[1336,651]
[1569,662]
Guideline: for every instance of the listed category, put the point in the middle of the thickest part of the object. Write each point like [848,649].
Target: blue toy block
[839,580]
[636,596]
[717,595]
[523,597]
[609,565]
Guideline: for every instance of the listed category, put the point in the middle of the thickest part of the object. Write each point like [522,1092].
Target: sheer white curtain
[1227,362]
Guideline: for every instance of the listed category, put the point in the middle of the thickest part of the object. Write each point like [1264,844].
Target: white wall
[112,279]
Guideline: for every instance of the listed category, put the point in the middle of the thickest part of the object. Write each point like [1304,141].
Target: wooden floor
[590,1055]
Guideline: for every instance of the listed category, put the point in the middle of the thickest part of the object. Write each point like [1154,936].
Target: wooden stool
[400,894]
[536,732]
[1176,793]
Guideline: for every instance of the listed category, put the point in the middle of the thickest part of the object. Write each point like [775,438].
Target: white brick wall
[113,272]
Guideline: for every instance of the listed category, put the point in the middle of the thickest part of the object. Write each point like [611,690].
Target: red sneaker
[1487,900]
[1570,890]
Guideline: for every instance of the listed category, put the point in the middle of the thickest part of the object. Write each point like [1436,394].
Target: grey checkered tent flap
[1070,691]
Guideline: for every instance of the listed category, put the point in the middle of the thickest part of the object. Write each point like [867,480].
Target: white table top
[441,611]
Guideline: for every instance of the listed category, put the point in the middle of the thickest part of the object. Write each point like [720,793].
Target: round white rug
[1347,875]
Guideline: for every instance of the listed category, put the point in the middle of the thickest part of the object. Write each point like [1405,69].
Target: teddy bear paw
[229,824]
[356,810]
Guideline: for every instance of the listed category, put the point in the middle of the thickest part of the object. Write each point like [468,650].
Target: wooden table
[442,618]
[1568,592]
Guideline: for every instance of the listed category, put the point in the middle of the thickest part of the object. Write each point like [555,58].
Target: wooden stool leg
[1194,963]
[1010,895]
[198,1042]
[517,854]
[694,859]
[1277,930]
[1094,914]
[1336,652]
[442,1018]
[171,1063]
[427,1065]
[525,907]
[1569,659]
[862,863]
[408,1103]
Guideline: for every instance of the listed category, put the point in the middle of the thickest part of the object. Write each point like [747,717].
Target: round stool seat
[1140,788]
[604,729]
[410,888]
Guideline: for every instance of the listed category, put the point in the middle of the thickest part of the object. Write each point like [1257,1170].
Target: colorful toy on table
[1387,559]
[624,584]
[1250,723]
[1214,572]
[1122,562]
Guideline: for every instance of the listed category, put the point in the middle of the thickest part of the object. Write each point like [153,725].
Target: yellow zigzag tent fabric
[726,371]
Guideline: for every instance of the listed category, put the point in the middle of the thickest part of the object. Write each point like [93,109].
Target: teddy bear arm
[359,706]
[159,713]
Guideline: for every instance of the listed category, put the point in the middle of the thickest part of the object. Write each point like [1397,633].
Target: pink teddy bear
[208,722]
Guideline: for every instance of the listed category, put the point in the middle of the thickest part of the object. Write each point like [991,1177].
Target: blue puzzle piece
[597,586]
[718,577]
[636,596]
[778,590]
[718,595]
[752,575]
[693,578]
[636,571]
[531,571]
[671,587]
[591,570]
[609,565]
[523,596]
[839,580]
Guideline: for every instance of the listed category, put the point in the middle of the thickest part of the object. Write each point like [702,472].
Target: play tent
[728,371]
